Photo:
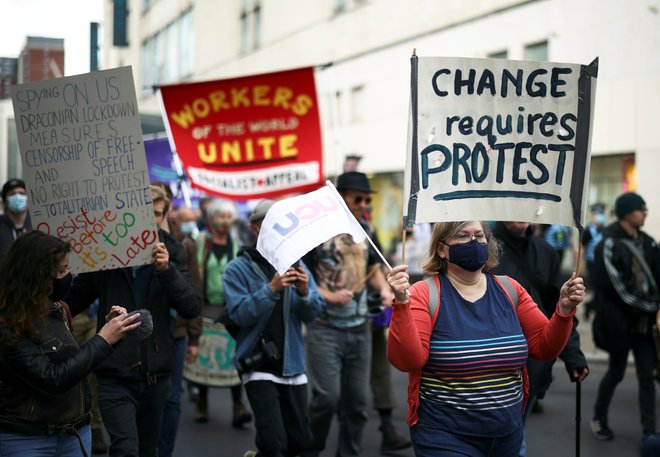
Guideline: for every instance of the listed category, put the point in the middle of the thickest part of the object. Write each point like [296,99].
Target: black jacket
[532,262]
[136,359]
[8,232]
[619,312]
[42,378]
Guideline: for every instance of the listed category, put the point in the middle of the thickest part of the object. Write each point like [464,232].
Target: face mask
[189,228]
[17,203]
[469,256]
[61,287]
[600,219]
[222,225]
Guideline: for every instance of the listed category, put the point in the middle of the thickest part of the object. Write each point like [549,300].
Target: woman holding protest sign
[464,336]
[45,400]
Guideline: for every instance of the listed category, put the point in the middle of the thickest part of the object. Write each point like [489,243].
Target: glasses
[465,238]
[359,199]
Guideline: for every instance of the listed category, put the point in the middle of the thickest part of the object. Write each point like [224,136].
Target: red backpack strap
[69,319]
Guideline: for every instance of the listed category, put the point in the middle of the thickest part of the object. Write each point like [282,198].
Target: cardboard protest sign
[495,139]
[85,168]
[250,137]
[295,226]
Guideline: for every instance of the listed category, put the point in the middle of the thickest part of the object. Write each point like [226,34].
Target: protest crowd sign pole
[578,415]
[578,383]
[578,262]
[403,247]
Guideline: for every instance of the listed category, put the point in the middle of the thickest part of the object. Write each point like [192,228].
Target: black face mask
[61,287]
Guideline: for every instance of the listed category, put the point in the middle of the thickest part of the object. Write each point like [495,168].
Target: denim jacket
[250,301]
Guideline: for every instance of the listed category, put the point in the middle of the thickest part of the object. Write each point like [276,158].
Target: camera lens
[250,363]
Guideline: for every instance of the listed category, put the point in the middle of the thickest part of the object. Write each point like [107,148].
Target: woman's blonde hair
[159,194]
[442,231]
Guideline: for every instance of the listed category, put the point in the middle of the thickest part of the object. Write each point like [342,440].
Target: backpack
[434,293]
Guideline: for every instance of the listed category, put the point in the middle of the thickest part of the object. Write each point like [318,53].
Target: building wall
[364,93]
[41,58]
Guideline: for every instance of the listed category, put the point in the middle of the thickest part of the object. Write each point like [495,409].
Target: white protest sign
[495,139]
[294,226]
[85,168]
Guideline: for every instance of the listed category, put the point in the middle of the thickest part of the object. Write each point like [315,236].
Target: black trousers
[281,419]
[132,414]
[643,348]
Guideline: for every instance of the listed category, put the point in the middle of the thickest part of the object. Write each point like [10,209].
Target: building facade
[41,58]
[361,49]
[8,75]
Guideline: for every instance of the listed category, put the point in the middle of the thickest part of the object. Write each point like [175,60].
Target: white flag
[295,226]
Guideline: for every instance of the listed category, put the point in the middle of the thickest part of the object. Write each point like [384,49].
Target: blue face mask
[189,228]
[600,219]
[17,203]
[469,256]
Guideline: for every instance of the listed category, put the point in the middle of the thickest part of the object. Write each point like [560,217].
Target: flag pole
[341,199]
[578,262]
[380,254]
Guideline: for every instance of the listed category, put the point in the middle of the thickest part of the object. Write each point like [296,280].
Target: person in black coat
[532,262]
[627,267]
[15,219]
[133,383]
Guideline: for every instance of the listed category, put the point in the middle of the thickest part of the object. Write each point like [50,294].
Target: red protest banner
[250,137]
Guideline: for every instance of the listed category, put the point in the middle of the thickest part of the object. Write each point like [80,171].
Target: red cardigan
[411,328]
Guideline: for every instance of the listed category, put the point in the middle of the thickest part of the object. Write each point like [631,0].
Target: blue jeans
[18,445]
[528,409]
[439,443]
[172,412]
[339,365]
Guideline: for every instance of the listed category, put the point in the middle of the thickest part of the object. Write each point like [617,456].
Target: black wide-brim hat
[354,180]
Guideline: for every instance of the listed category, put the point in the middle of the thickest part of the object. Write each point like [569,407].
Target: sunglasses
[359,199]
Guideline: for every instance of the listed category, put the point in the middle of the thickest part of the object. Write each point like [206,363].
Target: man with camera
[269,308]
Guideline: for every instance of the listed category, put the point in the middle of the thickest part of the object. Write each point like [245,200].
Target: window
[498,55]
[357,103]
[537,51]
[120,23]
[250,24]
[168,55]
[342,6]
[339,108]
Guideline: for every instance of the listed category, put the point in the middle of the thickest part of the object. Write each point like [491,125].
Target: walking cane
[578,418]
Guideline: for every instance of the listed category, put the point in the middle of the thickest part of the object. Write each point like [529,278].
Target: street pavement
[551,433]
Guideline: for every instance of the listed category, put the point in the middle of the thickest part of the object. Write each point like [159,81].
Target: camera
[266,351]
[374,303]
